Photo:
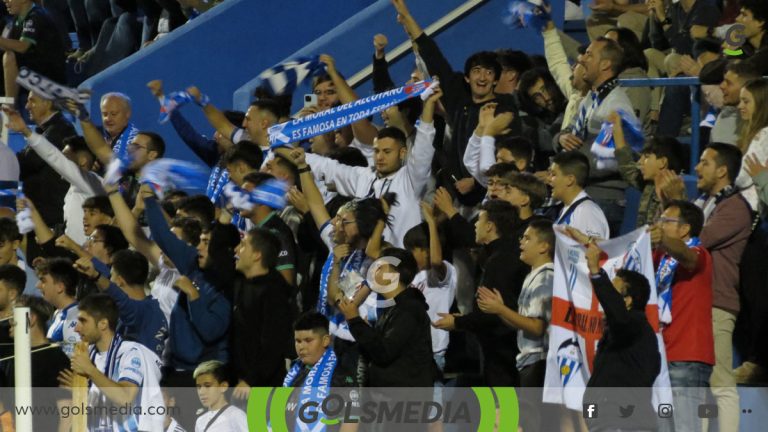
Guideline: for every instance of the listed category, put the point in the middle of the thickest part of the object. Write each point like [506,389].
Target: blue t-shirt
[141,320]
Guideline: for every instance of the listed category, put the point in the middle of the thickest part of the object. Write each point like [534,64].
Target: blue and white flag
[527,14]
[271,193]
[49,89]
[604,146]
[170,174]
[343,115]
[285,77]
[169,103]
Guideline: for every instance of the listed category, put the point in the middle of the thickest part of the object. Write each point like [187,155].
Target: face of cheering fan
[115,115]
[310,345]
[388,155]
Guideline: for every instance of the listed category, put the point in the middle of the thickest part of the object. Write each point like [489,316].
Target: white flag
[577,317]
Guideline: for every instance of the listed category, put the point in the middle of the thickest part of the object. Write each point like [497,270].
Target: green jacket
[650,207]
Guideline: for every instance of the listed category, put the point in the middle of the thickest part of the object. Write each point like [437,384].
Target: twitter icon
[626,411]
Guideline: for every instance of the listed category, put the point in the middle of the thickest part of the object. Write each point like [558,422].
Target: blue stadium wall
[226,48]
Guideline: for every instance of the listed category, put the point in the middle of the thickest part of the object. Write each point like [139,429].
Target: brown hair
[759,90]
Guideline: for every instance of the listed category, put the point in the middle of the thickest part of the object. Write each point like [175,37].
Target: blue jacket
[198,329]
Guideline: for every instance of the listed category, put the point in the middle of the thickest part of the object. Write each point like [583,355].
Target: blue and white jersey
[136,364]
[62,328]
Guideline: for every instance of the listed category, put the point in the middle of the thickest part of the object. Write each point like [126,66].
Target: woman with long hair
[754,135]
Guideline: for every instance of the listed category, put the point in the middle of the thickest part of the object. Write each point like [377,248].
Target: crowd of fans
[459,194]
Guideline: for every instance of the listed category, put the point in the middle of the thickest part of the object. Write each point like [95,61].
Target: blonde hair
[758,88]
[213,367]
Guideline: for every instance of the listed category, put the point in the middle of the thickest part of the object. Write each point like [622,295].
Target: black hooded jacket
[398,349]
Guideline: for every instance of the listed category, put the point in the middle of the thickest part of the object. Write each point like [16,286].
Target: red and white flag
[577,317]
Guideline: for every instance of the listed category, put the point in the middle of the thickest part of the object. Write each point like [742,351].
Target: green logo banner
[477,408]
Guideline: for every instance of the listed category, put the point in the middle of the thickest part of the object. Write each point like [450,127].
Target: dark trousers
[752,324]
[499,371]
[153,9]
[118,39]
[88,17]
[676,104]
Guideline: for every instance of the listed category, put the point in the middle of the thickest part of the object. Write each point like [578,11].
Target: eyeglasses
[667,219]
[93,239]
[347,222]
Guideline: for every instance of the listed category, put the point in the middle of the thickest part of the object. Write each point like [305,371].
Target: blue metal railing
[695,85]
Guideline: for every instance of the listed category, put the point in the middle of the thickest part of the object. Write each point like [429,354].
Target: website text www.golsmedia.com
[66,411]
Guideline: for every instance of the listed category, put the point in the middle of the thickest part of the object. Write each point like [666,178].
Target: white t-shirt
[62,328]
[758,148]
[440,295]
[136,364]
[233,419]
[587,217]
[535,301]
[175,427]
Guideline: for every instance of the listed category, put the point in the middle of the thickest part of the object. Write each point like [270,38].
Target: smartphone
[310,99]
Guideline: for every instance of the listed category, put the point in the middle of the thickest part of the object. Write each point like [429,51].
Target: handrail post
[695,124]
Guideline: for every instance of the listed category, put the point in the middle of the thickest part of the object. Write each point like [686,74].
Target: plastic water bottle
[24,217]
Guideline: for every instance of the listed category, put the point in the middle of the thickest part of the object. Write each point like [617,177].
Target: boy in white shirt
[534,305]
[212,386]
[436,278]
[534,312]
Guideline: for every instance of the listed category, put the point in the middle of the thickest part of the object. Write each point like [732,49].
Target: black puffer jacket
[398,350]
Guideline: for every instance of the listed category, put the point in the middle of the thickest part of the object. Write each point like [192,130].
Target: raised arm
[93,137]
[215,116]
[382,81]
[52,155]
[677,249]
[43,233]
[557,60]
[624,155]
[420,160]
[309,188]
[363,130]
[131,228]
[437,268]
[616,312]
[183,256]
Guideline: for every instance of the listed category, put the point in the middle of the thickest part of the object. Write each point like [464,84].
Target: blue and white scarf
[285,77]
[334,118]
[271,193]
[216,181]
[104,421]
[166,174]
[665,276]
[120,147]
[168,104]
[315,388]
[604,147]
[527,14]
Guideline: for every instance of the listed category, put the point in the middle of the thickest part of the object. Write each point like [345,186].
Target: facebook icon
[590,411]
